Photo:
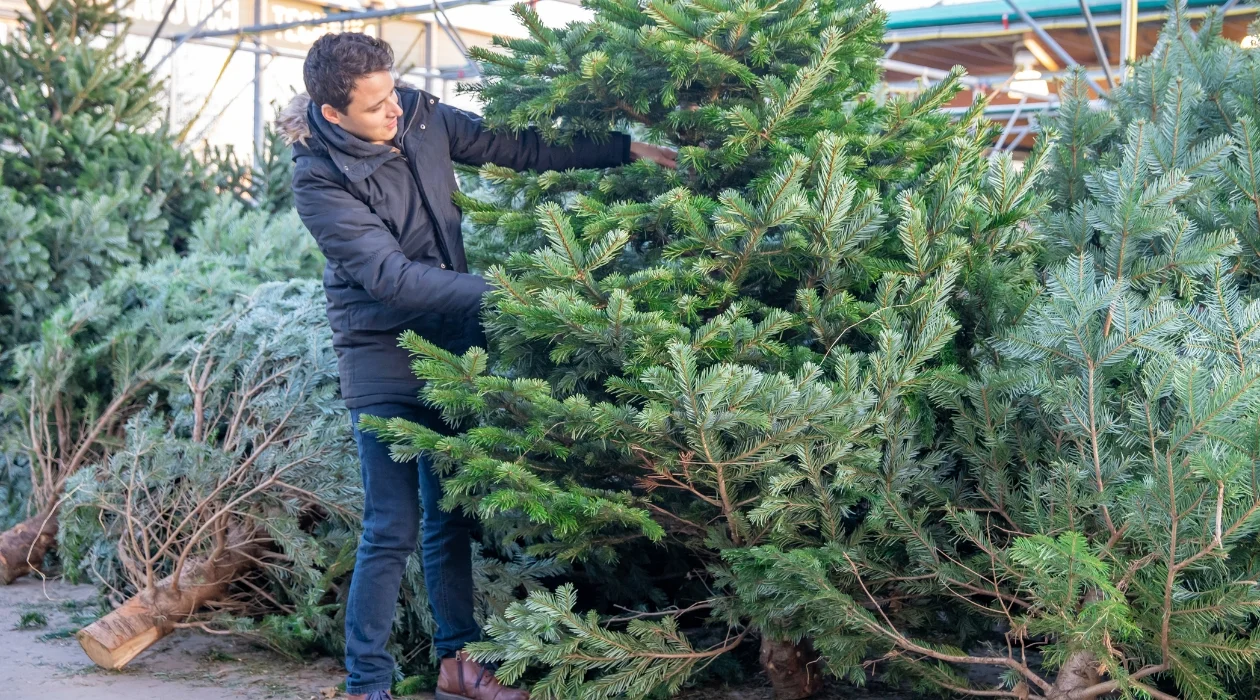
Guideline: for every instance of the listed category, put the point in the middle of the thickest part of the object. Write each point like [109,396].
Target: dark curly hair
[336,61]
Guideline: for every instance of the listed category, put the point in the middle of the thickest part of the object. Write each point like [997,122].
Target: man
[373,183]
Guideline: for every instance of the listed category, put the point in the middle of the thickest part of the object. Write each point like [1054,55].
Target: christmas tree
[1097,511]
[239,495]
[683,366]
[89,180]
[110,351]
[233,502]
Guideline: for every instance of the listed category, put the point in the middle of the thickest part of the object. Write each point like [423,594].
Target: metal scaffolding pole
[1016,137]
[1045,36]
[1098,45]
[1003,111]
[1002,79]
[925,71]
[452,32]
[179,40]
[419,71]
[258,88]
[1010,124]
[996,31]
[334,18]
[430,56]
[170,7]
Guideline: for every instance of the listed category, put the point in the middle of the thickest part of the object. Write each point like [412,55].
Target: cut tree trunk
[114,640]
[1079,672]
[22,548]
[793,668]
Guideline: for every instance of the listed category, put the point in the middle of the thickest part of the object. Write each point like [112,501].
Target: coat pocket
[378,318]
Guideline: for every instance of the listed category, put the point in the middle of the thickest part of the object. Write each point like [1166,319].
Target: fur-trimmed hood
[292,124]
[306,130]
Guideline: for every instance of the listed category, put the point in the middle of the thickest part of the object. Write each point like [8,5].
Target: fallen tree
[117,638]
[25,543]
[99,360]
[235,506]
[113,350]
[226,497]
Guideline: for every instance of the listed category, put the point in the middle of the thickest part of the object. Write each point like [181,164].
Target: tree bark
[793,668]
[114,640]
[1079,672]
[22,548]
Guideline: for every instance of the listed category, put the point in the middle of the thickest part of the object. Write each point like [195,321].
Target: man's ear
[331,114]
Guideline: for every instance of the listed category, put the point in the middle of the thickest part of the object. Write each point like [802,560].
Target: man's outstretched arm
[358,242]
[472,143]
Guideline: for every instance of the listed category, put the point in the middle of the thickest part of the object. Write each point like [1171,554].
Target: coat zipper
[424,198]
[437,225]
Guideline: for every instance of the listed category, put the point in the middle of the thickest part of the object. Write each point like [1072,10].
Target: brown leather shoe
[462,678]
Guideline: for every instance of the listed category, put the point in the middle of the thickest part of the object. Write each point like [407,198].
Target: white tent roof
[496,17]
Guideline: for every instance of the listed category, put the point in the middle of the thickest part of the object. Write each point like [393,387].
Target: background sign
[187,13]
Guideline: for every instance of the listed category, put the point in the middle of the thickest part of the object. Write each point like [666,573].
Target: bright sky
[497,18]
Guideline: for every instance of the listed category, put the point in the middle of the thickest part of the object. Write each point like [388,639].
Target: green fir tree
[1096,508]
[89,178]
[247,449]
[687,365]
[111,351]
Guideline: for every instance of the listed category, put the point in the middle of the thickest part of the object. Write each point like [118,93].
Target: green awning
[992,11]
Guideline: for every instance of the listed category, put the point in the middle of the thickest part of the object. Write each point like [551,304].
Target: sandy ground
[46,663]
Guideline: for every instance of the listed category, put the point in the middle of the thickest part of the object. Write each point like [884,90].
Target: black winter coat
[387,224]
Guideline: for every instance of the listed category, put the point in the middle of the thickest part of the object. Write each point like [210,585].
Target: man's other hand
[664,157]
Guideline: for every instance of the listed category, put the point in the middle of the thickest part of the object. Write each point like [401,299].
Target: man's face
[373,113]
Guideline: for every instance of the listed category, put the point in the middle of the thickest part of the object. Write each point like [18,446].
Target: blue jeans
[392,496]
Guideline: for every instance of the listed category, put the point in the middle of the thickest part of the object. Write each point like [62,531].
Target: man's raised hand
[664,157]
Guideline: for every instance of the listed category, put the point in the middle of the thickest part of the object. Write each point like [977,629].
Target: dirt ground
[46,663]
[42,661]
